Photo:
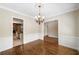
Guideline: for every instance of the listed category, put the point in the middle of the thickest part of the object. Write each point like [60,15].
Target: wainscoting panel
[32,37]
[68,41]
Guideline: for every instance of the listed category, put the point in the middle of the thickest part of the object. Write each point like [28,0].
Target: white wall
[31,30]
[6,28]
[67,29]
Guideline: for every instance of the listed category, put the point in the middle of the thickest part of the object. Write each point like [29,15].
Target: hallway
[17,32]
[47,47]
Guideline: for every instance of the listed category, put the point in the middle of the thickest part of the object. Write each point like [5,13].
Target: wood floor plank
[48,46]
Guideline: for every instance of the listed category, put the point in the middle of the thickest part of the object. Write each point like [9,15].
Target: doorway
[51,31]
[17,32]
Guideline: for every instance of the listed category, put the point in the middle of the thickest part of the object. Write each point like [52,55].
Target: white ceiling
[48,9]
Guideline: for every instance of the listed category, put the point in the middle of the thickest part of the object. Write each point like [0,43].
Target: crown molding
[14,11]
[51,18]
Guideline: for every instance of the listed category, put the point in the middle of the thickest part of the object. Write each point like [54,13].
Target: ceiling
[48,9]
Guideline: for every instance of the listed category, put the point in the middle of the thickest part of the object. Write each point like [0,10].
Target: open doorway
[17,32]
[51,31]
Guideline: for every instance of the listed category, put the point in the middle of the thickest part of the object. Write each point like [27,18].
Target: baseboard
[7,42]
[68,41]
[31,37]
[53,35]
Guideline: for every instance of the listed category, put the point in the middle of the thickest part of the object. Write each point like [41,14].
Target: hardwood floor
[39,47]
[52,47]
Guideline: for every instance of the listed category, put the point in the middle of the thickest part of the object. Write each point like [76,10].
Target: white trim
[31,37]
[20,13]
[51,18]
[55,35]
[7,42]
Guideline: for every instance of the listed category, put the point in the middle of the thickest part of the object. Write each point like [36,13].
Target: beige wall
[6,28]
[78,31]
[52,28]
[78,24]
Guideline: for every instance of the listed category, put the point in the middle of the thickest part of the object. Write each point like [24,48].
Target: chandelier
[39,19]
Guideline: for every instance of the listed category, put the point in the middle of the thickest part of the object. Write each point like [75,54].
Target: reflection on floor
[47,47]
[16,41]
